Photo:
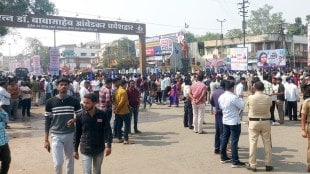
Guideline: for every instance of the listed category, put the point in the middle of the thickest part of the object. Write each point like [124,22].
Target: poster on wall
[308,44]
[271,58]
[237,59]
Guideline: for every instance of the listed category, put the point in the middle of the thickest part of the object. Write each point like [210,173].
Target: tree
[120,54]
[308,19]
[262,21]
[35,47]
[189,37]
[234,33]
[209,36]
[296,28]
[127,63]
[41,7]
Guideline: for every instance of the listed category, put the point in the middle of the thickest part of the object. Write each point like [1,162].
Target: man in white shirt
[5,99]
[275,88]
[292,97]
[76,88]
[230,105]
[96,86]
[188,109]
[239,92]
[84,90]
[54,83]
[165,83]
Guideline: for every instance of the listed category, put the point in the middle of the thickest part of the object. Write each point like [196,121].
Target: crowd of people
[79,110]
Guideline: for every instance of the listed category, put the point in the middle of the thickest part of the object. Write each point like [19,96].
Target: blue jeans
[232,131]
[145,98]
[218,131]
[26,105]
[92,160]
[119,124]
[135,113]
[13,108]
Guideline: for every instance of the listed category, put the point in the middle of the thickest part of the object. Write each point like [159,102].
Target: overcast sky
[160,17]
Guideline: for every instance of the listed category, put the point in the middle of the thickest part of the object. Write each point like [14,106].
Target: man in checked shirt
[5,154]
[105,98]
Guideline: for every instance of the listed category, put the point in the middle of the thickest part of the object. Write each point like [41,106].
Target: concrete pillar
[142,53]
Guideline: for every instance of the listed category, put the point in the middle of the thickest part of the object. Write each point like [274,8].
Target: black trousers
[292,106]
[159,96]
[5,158]
[48,96]
[188,114]
[97,94]
[272,108]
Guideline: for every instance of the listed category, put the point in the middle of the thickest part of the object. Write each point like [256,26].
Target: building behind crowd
[296,46]
[165,53]
[79,57]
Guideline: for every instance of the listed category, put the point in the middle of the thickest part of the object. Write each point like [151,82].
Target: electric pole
[222,37]
[284,43]
[243,10]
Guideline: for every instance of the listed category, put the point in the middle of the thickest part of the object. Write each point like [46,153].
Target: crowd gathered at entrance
[84,114]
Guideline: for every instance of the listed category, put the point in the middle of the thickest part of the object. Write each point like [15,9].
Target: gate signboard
[49,22]
[71,24]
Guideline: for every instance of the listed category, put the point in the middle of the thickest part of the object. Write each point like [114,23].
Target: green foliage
[122,51]
[308,19]
[262,21]
[35,47]
[189,37]
[42,7]
[234,33]
[3,31]
[209,36]
[296,28]
[127,63]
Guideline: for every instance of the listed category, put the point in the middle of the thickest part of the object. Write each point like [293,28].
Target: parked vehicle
[21,73]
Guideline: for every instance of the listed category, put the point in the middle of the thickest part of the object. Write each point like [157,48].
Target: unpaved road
[164,147]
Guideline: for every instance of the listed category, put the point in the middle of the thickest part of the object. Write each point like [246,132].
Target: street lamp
[222,37]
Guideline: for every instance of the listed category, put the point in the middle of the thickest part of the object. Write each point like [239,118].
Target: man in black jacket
[93,132]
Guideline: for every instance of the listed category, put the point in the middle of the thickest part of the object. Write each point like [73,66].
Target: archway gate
[78,24]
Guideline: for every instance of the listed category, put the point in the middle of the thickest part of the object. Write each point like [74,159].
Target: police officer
[305,129]
[259,124]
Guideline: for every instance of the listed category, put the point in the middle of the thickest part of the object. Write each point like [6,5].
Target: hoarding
[271,58]
[54,61]
[36,65]
[158,45]
[237,59]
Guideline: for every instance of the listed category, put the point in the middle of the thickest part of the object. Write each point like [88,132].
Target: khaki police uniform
[259,124]
[306,110]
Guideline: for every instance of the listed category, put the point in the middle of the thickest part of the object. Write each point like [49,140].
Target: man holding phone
[59,121]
